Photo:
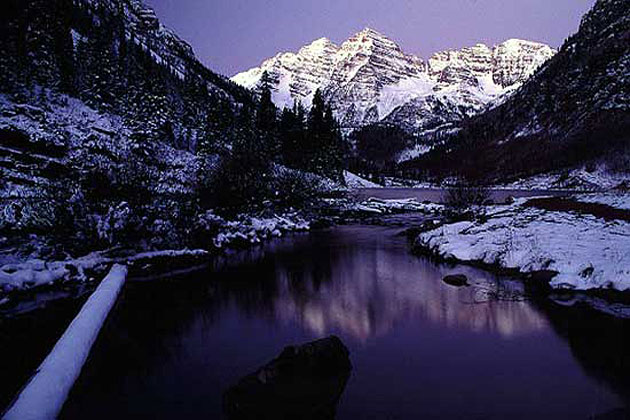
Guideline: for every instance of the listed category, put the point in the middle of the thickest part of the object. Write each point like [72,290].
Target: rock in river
[457,280]
[303,382]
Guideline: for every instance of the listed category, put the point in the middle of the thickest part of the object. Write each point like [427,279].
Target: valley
[344,231]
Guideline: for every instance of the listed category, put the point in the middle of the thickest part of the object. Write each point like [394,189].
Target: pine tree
[316,133]
[64,44]
[266,117]
[219,128]
[12,34]
[333,146]
[243,179]
[292,135]
[324,150]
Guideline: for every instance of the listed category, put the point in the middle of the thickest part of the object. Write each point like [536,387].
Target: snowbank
[246,230]
[34,273]
[354,181]
[168,254]
[252,230]
[575,180]
[586,252]
[616,309]
[381,206]
[616,200]
[44,395]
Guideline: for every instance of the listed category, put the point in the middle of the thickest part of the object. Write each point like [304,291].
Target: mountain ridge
[368,77]
[574,111]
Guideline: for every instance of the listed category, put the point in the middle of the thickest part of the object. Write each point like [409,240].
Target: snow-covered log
[44,395]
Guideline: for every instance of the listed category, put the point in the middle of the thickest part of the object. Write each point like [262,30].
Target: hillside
[113,132]
[575,111]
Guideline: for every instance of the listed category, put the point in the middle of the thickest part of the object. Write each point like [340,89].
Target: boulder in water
[303,382]
[457,280]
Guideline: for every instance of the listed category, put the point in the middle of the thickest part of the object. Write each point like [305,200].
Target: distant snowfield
[395,95]
[586,252]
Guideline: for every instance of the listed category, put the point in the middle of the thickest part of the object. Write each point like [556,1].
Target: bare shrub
[464,197]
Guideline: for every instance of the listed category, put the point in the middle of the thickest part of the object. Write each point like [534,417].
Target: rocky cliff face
[143,25]
[369,79]
[163,44]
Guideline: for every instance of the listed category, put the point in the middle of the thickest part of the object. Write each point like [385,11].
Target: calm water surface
[420,348]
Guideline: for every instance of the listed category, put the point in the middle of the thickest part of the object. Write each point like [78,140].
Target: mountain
[369,78]
[113,132]
[103,108]
[111,58]
[575,111]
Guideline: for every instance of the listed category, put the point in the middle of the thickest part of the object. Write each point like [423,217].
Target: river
[419,347]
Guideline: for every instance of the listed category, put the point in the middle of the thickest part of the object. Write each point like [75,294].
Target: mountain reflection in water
[419,347]
[364,287]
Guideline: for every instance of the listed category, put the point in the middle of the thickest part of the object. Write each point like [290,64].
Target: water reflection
[420,348]
[362,284]
[600,342]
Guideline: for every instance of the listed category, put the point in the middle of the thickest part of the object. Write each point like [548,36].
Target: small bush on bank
[295,189]
[466,198]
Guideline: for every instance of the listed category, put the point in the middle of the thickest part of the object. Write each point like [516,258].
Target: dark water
[436,195]
[28,334]
[420,348]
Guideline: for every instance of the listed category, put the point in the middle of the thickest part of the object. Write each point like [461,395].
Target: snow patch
[586,252]
[354,181]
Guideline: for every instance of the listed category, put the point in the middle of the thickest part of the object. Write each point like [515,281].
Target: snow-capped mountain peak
[366,40]
[369,78]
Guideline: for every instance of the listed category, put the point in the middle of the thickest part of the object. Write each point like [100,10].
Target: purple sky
[234,35]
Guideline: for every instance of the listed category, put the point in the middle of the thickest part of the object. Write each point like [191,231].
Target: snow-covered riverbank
[29,273]
[377,206]
[586,252]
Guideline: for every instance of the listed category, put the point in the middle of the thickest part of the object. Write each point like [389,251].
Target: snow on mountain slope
[369,79]
[573,113]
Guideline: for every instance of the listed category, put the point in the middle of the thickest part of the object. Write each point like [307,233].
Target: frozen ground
[587,252]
